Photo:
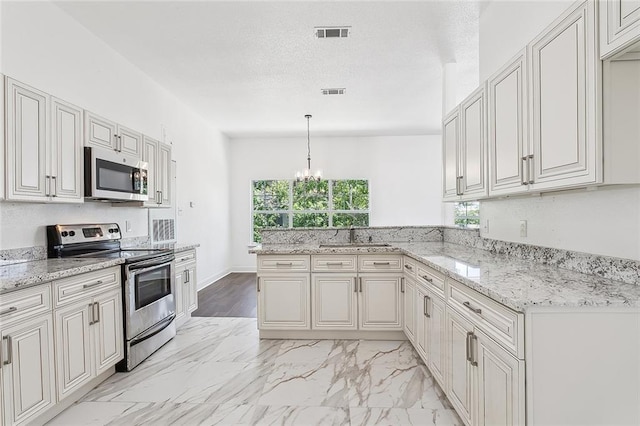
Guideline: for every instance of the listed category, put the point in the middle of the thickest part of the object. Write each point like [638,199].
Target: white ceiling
[255,68]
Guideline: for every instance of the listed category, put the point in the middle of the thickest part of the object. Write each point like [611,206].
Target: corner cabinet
[43,146]
[158,157]
[465,150]
[619,26]
[186,285]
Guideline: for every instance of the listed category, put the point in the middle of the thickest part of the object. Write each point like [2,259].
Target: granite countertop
[20,275]
[518,284]
[176,247]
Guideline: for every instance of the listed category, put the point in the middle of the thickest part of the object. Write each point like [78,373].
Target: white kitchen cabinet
[450,147]
[43,146]
[158,157]
[461,380]
[186,285]
[565,85]
[28,372]
[334,301]
[284,301]
[436,338]
[421,341]
[507,123]
[88,328]
[3,135]
[380,301]
[409,296]
[619,26]
[473,146]
[106,134]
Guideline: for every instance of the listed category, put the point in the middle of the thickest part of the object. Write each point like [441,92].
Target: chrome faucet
[352,235]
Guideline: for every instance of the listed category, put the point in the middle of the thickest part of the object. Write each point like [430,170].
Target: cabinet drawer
[80,286]
[269,263]
[409,266]
[333,263]
[380,263]
[499,322]
[433,280]
[24,303]
[185,257]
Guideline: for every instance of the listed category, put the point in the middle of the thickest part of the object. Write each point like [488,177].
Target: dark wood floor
[231,296]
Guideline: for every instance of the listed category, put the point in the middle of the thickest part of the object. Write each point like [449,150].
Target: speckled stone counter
[26,274]
[518,284]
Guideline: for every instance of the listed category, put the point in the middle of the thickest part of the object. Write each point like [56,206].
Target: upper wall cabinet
[507,122]
[565,87]
[619,26]
[158,155]
[43,146]
[103,133]
[464,150]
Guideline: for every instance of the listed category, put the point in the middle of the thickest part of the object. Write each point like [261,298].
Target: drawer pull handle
[183,259]
[468,306]
[8,311]
[408,267]
[9,359]
[334,263]
[284,263]
[92,285]
[426,278]
[381,263]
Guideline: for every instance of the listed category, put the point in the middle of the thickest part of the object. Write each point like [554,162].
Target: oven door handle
[150,264]
[153,330]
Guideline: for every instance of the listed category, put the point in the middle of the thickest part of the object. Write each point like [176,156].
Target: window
[291,204]
[467,214]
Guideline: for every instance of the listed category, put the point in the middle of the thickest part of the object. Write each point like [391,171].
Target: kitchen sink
[341,245]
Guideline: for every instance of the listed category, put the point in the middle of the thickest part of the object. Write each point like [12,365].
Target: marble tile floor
[217,371]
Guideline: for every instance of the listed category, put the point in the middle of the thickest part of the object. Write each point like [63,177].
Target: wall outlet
[127,225]
[486,226]
[523,228]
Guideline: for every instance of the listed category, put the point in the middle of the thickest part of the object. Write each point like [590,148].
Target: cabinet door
[565,92]
[192,285]
[99,132]
[284,302]
[28,369]
[130,142]
[473,142]
[500,384]
[164,175]
[409,309]
[436,347]
[150,154]
[73,347]
[179,291]
[619,25]
[66,149]
[27,142]
[450,147]
[380,302]
[507,118]
[460,373]
[108,330]
[334,301]
[422,324]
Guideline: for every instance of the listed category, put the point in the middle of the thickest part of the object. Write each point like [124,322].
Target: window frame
[466,216]
[330,211]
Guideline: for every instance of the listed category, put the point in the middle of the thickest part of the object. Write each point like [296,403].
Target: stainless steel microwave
[111,175]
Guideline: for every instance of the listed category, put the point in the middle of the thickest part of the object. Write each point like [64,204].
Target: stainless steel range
[148,284]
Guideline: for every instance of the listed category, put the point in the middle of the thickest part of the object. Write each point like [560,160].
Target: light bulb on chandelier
[306,175]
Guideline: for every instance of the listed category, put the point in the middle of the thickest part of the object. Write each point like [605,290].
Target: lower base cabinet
[186,285]
[460,369]
[380,306]
[334,298]
[410,314]
[28,371]
[284,302]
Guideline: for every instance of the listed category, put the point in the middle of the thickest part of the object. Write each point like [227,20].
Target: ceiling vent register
[332,32]
[334,91]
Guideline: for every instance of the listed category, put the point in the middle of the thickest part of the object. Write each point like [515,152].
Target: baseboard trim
[333,335]
[202,284]
[243,269]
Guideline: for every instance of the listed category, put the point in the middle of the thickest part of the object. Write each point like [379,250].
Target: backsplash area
[625,270]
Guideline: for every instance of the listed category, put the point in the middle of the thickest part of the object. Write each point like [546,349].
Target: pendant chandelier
[306,175]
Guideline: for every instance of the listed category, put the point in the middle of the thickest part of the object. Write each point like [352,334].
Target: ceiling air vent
[332,32]
[334,91]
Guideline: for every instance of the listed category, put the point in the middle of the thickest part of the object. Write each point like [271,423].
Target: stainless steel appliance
[148,284]
[111,175]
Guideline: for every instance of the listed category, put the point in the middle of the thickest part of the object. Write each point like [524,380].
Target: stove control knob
[72,233]
[64,233]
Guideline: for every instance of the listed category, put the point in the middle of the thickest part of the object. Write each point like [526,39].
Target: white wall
[44,47]
[606,221]
[404,173]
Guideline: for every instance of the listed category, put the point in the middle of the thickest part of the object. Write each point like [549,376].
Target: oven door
[149,293]
[114,176]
